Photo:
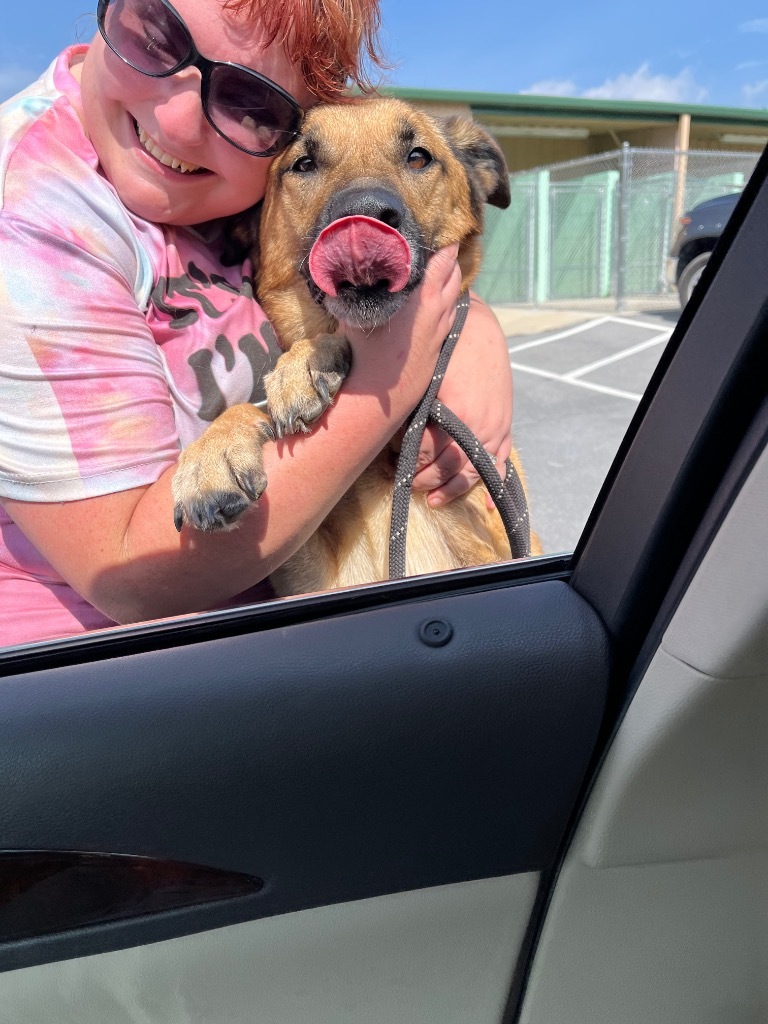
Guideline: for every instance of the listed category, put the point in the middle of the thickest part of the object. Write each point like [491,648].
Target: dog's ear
[482,158]
[241,237]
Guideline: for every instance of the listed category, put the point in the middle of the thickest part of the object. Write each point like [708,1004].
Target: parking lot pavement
[576,390]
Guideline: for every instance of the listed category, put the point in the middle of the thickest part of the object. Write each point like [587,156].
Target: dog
[352,209]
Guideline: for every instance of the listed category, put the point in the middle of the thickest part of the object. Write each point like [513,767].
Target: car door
[490,795]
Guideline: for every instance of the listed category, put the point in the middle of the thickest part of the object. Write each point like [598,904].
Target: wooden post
[682,146]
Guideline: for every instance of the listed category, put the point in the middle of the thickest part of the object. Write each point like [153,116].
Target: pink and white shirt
[120,341]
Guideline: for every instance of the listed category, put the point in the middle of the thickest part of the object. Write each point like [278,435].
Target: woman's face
[118,102]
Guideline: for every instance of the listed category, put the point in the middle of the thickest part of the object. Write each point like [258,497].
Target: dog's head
[369,190]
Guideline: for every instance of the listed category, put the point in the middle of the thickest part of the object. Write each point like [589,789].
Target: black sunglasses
[244,107]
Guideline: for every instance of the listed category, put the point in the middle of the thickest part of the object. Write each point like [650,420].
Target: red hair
[331,42]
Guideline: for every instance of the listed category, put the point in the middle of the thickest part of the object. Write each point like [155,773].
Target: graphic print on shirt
[213,401]
[203,290]
[194,285]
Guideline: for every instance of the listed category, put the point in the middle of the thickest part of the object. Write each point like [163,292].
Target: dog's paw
[304,382]
[219,476]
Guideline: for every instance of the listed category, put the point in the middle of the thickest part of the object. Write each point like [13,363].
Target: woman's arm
[478,389]
[122,552]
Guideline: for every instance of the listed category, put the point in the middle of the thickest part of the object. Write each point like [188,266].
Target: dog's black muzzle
[361,201]
[369,306]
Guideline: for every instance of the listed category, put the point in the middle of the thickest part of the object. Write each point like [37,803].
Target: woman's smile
[155,150]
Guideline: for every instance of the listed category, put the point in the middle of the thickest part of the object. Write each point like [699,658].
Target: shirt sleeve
[85,407]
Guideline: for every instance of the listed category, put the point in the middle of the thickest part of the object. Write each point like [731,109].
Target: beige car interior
[660,913]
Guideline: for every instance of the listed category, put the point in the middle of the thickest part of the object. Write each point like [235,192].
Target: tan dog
[353,208]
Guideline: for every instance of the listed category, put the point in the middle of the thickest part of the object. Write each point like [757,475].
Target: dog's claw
[245,484]
[221,474]
[254,488]
[218,511]
[300,389]
[322,390]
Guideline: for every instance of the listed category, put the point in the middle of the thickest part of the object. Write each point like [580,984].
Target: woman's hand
[402,353]
[478,389]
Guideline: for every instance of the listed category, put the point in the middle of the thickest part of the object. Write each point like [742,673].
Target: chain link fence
[600,227]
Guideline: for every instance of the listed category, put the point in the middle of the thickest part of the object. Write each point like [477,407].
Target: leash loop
[508,494]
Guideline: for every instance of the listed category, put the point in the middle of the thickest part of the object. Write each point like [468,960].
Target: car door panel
[334,764]
[434,955]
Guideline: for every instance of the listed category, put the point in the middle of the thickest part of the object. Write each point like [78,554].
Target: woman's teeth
[165,158]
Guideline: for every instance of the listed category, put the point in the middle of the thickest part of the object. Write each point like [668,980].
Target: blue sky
[681,52]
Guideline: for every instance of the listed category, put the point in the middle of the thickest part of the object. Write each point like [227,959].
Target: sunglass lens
[250,112]
[145,33]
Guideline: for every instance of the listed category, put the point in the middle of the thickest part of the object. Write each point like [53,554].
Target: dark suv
[700,229]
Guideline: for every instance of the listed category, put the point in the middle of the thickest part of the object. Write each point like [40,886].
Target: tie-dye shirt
[121,340]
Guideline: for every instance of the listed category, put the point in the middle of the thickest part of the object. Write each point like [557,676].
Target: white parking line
[586,326]
[598,363]
[574,377]
[560,334]
[590,385]
[635,323]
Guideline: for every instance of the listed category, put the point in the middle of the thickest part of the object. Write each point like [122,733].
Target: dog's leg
[221,474]
[305,380]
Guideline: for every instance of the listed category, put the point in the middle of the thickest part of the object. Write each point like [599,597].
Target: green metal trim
[567,106]
[543,271]
[574,114]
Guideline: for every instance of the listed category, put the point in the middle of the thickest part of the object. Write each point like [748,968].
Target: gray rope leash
[508,494]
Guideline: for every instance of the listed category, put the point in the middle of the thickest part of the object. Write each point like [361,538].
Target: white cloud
[636,85]
[753,90]
[758,25]
[550,87]
[642,85]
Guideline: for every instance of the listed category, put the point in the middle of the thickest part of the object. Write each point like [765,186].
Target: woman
[124,334]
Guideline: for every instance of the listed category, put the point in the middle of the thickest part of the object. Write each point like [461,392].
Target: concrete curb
[538,321]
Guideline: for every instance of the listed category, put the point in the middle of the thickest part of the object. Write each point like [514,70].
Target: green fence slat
[558,238]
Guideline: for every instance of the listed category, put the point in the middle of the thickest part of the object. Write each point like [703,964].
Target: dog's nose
[379,203]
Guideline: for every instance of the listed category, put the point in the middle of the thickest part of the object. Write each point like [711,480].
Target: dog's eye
[303,165]
[419,158]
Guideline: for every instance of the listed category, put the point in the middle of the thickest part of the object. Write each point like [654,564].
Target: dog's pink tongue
[361,251]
